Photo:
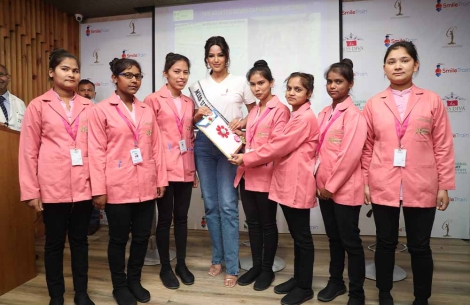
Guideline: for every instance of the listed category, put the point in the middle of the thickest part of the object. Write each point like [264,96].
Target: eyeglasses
[3,75]
[129,75]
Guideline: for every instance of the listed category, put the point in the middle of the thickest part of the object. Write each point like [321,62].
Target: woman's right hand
[367,195]
[35,204]
[201,112]
[100,201]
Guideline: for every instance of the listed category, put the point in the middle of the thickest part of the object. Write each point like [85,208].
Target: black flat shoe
[330,292]
[297,296]
[169,279]
[82,299]
[57,301]
[248,277]
[141,294]
[124,296]
[185,275]
[286,287]
[264,280]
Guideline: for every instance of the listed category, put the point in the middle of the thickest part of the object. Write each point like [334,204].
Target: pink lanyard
[179,122]
[72,132]
[322,136]
[401,128]
[249,134]
[135,133]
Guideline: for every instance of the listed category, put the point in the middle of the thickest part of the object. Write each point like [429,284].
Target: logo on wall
[203,222]
[450,33]
[353,43]
[461,168]
[461,135]
[101,84]
[446,227]
[439,71]
[354,12]
[132,54]
[440,5]
[458,199]
[389,41]
[453,103]
[399,7]
[90,31]
[132,26]
[95,55]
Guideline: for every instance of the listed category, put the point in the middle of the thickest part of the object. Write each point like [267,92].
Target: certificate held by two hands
[215,126]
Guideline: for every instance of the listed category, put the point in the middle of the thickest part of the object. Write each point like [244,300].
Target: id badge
[399,157]
[136,156]
[76,156]
[317,165]
[183,147]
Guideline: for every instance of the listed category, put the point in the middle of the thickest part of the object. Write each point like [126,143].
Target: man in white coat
[11,107]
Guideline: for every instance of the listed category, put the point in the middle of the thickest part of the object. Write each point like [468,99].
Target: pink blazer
[180,167]
[45,164]
[293,153]
[340,154]
[111,169]
[430,164]
[258,178]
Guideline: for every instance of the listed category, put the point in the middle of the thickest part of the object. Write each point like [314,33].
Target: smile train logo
[438,70]
[123,54]
[387,40]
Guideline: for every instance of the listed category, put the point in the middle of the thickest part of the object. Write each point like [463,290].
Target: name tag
[317,165]
[136,156]
[399,157]
[76,156]
[183,147]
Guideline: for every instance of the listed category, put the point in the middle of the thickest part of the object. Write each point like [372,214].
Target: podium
[17,232]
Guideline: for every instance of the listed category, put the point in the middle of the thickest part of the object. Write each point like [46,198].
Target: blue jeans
[216,175]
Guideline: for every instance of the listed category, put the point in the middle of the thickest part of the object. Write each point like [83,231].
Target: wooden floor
[451,276]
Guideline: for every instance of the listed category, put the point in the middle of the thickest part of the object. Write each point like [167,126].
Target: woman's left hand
[237,159]
[324,194]
[235,124]
[160,191]
[196,181]
[442,200]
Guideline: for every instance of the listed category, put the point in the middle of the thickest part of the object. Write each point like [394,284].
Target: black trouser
[298,221]
[61,219]
[342,228]
[418,223]
[262,227]
[174,205]
[123,219]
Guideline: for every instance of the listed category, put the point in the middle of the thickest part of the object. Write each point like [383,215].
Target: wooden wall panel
[29,31]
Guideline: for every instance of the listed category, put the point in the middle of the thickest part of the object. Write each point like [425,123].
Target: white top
[229,95]
[16,112]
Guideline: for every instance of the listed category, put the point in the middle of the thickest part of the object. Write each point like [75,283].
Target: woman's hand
[100,201]
[235,124]
[442,200]
[35,204]
[367,195]
[160,191]
[237,159]
[196,181]
[201,112]
[324,194]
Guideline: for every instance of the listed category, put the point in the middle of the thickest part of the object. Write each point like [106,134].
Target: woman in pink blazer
[128,172]
[54,174]
[343,131]
[265,120]
[293,184]
[174,112]
[408,161]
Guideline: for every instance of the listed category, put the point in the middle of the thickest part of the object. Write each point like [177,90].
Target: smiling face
[66,75]
[216,59]
[399,67]
[296,93]
[177,76]
[125,85]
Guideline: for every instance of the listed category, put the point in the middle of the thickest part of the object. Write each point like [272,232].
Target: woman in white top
[227,93]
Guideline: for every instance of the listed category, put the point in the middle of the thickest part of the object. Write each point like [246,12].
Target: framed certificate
[215,128]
